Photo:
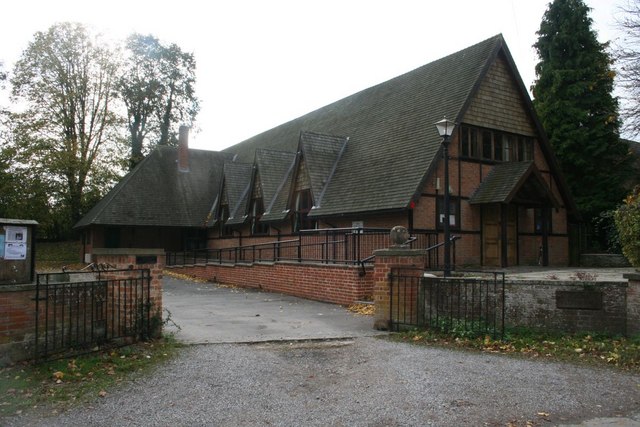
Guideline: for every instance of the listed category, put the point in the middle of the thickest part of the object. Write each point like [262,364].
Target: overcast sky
[262,63]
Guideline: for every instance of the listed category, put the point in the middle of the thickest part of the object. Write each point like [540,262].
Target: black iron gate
[76,311]
[472,303]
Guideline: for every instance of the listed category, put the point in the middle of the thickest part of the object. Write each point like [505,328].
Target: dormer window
[255,214]
[303,203]
[225,230]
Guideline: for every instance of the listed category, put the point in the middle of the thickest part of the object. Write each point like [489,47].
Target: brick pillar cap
[632,276]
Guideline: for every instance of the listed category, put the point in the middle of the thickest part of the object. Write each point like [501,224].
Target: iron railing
[79,310]
[470,303]
[327,246]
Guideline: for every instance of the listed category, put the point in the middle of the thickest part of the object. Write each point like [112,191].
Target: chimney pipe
[183,149]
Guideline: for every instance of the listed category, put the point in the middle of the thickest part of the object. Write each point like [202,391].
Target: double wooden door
[493,235]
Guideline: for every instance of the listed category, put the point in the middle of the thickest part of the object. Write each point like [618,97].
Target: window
[497,147]
[538,217]
[525,148]
[194,239]
[454,213]
[469,142]
[112,237]
[225,230]
[487,144]
[256,211]
[303,204]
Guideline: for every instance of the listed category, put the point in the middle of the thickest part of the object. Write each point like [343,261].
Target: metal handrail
[336,245]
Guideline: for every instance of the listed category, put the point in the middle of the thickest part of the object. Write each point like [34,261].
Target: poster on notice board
[14,243]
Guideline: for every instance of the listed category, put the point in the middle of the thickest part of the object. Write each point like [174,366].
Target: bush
[627,219]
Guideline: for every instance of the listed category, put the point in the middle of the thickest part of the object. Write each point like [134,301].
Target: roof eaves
[111,195]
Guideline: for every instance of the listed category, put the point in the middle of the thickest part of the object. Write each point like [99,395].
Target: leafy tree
[628,58]
[573,98]
[627,219]
[3,75]
[68,134]
[157,87]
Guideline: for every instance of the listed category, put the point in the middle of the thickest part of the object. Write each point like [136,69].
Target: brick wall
[338,284]
[385,261]
[604,307]
[17,304]
[17,322]
[153,259]
[633,304]
[535,304]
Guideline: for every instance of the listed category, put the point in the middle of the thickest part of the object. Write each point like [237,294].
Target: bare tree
[628,60]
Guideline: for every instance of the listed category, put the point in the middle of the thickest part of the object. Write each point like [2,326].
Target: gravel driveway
[359,382]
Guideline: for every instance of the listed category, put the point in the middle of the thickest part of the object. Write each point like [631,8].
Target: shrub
[627,219]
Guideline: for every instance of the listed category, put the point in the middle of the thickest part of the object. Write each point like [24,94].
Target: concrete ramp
[210,313]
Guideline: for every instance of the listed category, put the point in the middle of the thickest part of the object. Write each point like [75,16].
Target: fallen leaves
[362,309]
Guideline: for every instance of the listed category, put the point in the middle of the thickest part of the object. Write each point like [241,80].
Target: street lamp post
[445,129]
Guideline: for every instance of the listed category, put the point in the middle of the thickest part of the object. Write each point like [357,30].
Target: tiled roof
[237,182]
[276,172]
[321,154]
[392,138]
[514,181]
[155,193]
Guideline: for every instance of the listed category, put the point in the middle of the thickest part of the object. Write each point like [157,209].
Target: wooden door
[491,241]
[492,236]
[512,236]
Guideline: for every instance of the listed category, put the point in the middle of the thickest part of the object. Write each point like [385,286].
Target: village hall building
[371,160]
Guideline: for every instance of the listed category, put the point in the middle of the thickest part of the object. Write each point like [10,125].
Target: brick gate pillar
[138,258]
[385,261]
[633,304]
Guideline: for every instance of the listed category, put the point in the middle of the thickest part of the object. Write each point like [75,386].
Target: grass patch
[52,256]
[592,349]
[59,384]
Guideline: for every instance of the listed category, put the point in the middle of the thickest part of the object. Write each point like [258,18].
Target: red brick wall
[17,322]
[633,304]
[337,284]
[128,260]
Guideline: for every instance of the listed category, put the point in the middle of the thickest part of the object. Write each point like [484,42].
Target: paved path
[209,313]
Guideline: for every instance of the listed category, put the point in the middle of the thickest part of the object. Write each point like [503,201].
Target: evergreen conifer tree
[573,99]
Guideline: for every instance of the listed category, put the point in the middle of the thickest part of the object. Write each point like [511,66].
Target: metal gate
[471,303]
[76,311]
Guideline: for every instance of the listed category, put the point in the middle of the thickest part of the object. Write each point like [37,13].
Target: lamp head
[445,127]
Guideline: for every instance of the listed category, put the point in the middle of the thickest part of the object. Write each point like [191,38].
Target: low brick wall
[338,284]
[17,322]
[18,307]
[567,306]
[603,260]
[633,304]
